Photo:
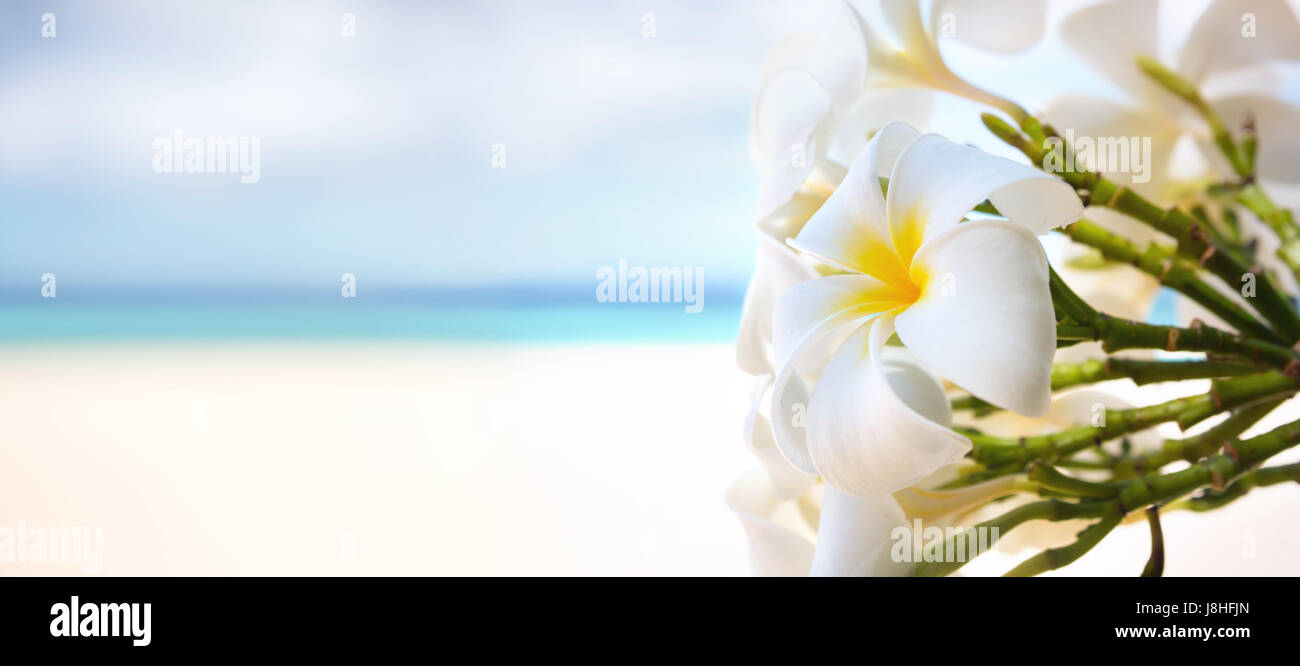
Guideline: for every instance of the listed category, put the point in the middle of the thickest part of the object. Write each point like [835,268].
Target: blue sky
[376,150]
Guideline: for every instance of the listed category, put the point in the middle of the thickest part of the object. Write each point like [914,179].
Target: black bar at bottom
[205,616]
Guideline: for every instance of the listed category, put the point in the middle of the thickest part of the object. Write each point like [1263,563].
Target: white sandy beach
[434,459]
[336,458]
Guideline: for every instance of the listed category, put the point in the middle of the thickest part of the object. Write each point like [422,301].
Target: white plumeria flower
[823,92]
[1109,36]
[853,535]
[971,300]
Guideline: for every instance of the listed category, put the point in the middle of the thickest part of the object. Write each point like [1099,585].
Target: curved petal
[989,25]
[787,482]
[855,536]
[1108,36]
[1218,44]
[849,230]
[775,548]
[904,21]
[806,80]
[936,182]
[806,305]
[899,54]
[875,109]
[790,393]
[987,279]
[777,269]
[833,53]
[786,221]
[787,114]
[876,423]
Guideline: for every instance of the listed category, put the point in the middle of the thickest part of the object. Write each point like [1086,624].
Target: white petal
[893,63]
[875,109]
[787,114]
[778,268]
[787,482]
[1279,139]
[790,394]
[1108,36]
[985,320]
[878,424]
[904,20]
[1217,43]
[855,536]
[832,53]
[806,305]
[849,230]
[776,549]
[807,79]
[992,24]
[936,182]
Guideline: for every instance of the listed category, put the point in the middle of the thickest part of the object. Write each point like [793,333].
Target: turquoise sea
[179,317]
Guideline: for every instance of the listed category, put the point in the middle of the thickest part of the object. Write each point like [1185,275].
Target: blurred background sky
[376,150]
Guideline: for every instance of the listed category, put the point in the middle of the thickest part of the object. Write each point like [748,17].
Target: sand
[336,458]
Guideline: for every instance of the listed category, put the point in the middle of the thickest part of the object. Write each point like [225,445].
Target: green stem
[1185,89]
[1156,563]
[1048,477]
[1055,558]
[1260,478]
[1140,371]
[1196,447]
[1279,220]
[1136,494]
[1001,452]
[1052,510]
[1172,271]
[1067,302]
[1116,334]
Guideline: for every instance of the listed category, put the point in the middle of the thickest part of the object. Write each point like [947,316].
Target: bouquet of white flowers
[919,361]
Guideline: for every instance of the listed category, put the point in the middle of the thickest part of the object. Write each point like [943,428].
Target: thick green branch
[1116,334]
[1136,494]
[1048,477]
[1196,447]
[1172,271]
[1141,371]
[1002,453]
[1260,478]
